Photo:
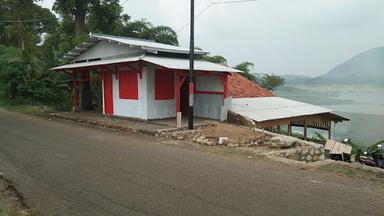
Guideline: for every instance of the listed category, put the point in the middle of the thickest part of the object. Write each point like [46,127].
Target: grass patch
[355,171]
[11,202]
[348,171]
[29,109]
[26,108]
[9,209]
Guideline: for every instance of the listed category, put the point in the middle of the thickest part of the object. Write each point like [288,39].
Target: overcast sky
[305,37]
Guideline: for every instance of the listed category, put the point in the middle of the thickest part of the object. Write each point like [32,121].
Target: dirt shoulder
[11,201]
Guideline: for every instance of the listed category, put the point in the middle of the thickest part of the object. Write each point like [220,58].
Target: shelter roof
[262,109]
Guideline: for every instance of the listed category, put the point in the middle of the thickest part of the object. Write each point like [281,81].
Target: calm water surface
[363,104]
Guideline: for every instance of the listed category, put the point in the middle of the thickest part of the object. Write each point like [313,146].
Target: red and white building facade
[148,80]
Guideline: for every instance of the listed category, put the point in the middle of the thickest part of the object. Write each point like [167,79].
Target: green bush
[26,79]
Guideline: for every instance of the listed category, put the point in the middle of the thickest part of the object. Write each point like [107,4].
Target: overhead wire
[124,2]
[211,4]
[23,21]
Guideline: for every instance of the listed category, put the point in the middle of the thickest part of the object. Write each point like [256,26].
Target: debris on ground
[230,135]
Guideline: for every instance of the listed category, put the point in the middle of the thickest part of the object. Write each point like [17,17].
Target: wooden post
[289,129]
[305,130]
[278,128]
[330,131]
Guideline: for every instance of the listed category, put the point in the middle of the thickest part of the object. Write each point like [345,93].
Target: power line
[124,2]
[211,4]
[23,21]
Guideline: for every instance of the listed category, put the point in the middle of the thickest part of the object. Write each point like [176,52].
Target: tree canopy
[267,81]
[215,59]
[23,22]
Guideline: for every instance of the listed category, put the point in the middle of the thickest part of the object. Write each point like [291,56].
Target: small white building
[147,80]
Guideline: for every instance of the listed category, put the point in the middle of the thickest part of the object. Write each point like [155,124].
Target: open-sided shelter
[268,112]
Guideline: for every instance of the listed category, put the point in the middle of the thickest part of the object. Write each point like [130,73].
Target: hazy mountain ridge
[367,67]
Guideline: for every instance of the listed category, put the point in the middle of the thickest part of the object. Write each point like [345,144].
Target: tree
[215,59]
[17,31]
[105,17]
[23,77]
[145,30]
[163,34]
[271,82]
[245,67]
[77,8]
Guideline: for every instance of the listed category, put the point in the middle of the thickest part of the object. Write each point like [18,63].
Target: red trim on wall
[224,81]
[164,85]
[128,85]
[208,92]
[108,93]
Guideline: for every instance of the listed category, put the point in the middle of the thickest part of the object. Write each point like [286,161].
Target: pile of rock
[176,133]
[224,141]
[297,149]
[306,154]
[284,142]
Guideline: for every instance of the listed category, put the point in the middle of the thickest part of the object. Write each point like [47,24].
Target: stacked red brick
[241,87]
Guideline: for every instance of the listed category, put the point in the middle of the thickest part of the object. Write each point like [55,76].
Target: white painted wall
[209,105]
[209,83]
[124,107]
[103,49]
[146,107]
[157,109]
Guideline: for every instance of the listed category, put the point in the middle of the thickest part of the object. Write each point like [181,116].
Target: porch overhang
[166,62]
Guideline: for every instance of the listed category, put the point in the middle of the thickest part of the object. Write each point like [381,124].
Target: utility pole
[191,65]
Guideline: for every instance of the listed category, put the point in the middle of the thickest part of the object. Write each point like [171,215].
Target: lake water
[362,104]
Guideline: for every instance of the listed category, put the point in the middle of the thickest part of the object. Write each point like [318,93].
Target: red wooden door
[108,93]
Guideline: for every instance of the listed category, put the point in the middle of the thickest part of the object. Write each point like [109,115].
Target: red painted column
[75,96]
[225,86]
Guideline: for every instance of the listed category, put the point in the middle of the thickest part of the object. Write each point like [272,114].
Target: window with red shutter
[164,85]
[128,85]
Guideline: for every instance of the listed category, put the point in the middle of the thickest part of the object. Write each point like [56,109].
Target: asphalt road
[67,169]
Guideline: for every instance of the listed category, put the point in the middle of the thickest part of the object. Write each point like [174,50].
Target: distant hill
[367,67]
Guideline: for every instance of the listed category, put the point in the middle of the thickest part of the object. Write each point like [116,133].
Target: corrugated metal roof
[146,44]
[271,108]
[97,63]
[183,64]
[168,62]
[149,46]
